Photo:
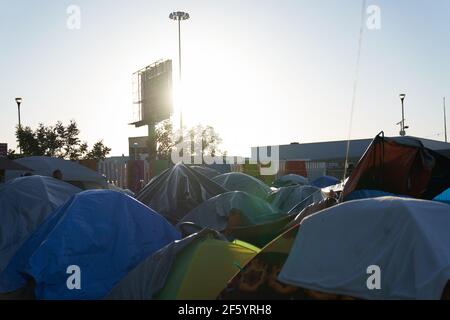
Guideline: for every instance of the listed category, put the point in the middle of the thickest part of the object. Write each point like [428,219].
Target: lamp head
[179,16]
[402,96]
[19,101]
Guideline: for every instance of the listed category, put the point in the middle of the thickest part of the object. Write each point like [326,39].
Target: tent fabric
[366,194]
[400,166]
[208,172]
[204,268]
[177,191]
[237,181]
[71,171]
[7,164]
[181,270]
[407,239]
[24,204]
[290,180]
[257,279]
[325,181]
[105,233]
[215,212]
[443,197]
[294,199]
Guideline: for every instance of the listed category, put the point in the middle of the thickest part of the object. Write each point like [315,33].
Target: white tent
[338,250]
[72,172]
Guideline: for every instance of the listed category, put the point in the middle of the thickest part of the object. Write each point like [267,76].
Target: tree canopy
[58,141]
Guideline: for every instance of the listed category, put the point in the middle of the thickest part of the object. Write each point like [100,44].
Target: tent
[400,166]
[72,172]
[366,194]
[294,199]
[237,181]
[10,165]
[195,268]
[407,240]
[325,181]
[103,233]
[290,180]
[238,215]
[444,197]
[177,191]
[24,204]
[257,280]
[208,172]
[232,209]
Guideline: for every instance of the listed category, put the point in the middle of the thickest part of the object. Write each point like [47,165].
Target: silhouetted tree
[57,141]
[99,151]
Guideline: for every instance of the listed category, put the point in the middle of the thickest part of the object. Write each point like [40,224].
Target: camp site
[225,151]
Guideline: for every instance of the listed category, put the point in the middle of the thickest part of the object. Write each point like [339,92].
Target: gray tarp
[150,276]
[214,212]
[236,181]
[24,204]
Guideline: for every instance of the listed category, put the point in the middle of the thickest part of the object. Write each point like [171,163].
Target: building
[138,148]
[330,156]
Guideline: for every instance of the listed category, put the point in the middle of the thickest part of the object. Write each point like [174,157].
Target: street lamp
[402,123]
[136,145]
[179,16]
[19,102]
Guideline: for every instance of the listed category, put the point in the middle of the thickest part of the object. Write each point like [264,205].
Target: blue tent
[444,197]
[325,181]
[104,233]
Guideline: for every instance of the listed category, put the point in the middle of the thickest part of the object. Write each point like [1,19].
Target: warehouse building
[329,157]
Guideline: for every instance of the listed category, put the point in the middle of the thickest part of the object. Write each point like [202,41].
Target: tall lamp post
[445,122]
[402,123]
[19,102]
[136,146]
[179,16]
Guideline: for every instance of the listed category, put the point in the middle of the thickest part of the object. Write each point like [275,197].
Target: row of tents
[193,233]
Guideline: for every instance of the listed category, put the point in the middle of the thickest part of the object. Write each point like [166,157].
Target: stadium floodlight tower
[179,16]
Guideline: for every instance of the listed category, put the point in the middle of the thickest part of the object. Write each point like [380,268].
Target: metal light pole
[136,145]
[445,122]
[179,16]
[19,102]
[402,126]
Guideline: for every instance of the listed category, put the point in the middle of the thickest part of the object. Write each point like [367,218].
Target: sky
[260,72]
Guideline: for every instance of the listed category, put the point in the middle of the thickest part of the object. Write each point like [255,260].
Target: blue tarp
[444,197]
[24,204]
[407,239]
[367,194]
[105,233]
[325,181]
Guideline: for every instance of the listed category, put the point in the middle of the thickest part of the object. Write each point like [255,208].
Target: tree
[99,151]
[208,138]
[57,141]
[164,139]
[167,139]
